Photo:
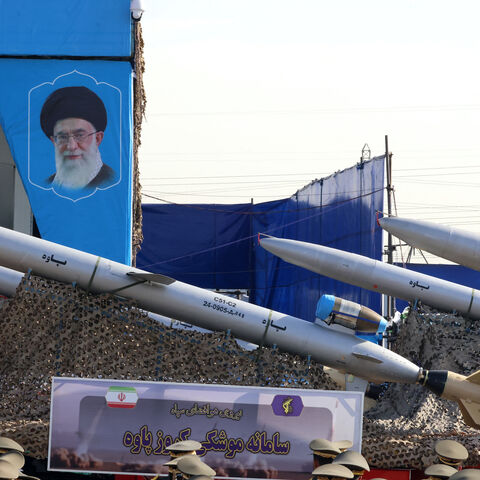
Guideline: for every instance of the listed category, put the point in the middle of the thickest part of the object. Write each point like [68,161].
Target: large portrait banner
[65,155]
[68,125]
[108,426]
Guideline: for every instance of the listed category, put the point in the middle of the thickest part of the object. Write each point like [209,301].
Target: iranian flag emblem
[121,397]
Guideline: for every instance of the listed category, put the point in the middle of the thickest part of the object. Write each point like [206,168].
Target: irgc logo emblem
[287,405]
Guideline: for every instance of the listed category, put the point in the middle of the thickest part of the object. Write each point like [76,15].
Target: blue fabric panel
[205,245]
[97,28]
[93,219]
[215,246]
[337,211]
[453,273]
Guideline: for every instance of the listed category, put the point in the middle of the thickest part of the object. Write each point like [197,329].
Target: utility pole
[390,248]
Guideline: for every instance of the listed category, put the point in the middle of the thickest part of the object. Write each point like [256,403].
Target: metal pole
[388,159]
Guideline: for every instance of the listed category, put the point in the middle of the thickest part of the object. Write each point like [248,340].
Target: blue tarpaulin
[205,245]
[215,246]
[337,211]
[86,28]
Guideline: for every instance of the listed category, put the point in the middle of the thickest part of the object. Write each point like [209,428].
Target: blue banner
[88,28]
[68,125]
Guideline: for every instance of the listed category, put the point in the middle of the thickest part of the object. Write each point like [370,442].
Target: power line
[289,174]
[263,182]
[241,176]
[320,111]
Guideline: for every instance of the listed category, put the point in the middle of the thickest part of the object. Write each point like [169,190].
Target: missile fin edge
[369,358]
[474,377]
[152,277]
[470,413]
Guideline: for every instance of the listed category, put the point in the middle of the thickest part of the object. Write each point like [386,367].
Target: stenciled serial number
[230,303]
[223,308]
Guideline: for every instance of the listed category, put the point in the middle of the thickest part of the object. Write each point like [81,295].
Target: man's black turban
[73,102]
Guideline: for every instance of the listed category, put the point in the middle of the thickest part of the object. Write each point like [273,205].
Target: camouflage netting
[52,329]
[139,105]
[403,427]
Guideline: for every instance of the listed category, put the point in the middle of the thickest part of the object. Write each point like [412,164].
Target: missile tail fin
[471,409]
[474,377]
[470,412]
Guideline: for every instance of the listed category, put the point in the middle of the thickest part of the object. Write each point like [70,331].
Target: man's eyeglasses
[62,138]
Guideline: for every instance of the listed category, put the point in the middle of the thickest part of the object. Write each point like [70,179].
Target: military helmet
[333,470]
[7,444]
[466,474]
[192,465]
[353,460]
[440,470]
[451,452]
[324,447]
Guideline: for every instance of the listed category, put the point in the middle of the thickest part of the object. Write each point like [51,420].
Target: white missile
[166,296]
[377,276]
[459,246]
[9,281]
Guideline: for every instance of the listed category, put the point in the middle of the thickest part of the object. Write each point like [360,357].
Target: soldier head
[9,445]
[173,472]
[8,471]
[331,471]
[354,461]
[14,458]
[343,445]
[191,465]
[185,447]
[324,451]
[439,471]
[451,453]
[466,474]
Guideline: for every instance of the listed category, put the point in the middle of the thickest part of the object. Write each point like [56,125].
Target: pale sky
[254,99]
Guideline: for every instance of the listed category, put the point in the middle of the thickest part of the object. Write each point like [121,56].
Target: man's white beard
[79,173]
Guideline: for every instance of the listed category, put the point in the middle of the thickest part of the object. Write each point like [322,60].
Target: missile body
[203,308]
[459,246]
[376,276]
[373,275]
[9,281]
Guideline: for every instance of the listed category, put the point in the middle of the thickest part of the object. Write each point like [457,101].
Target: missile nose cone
[291,251]
[410,231]
[278,247]
[382,221]
[387,222]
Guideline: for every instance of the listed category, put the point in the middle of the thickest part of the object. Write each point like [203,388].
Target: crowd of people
[331,461]
[334,461]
